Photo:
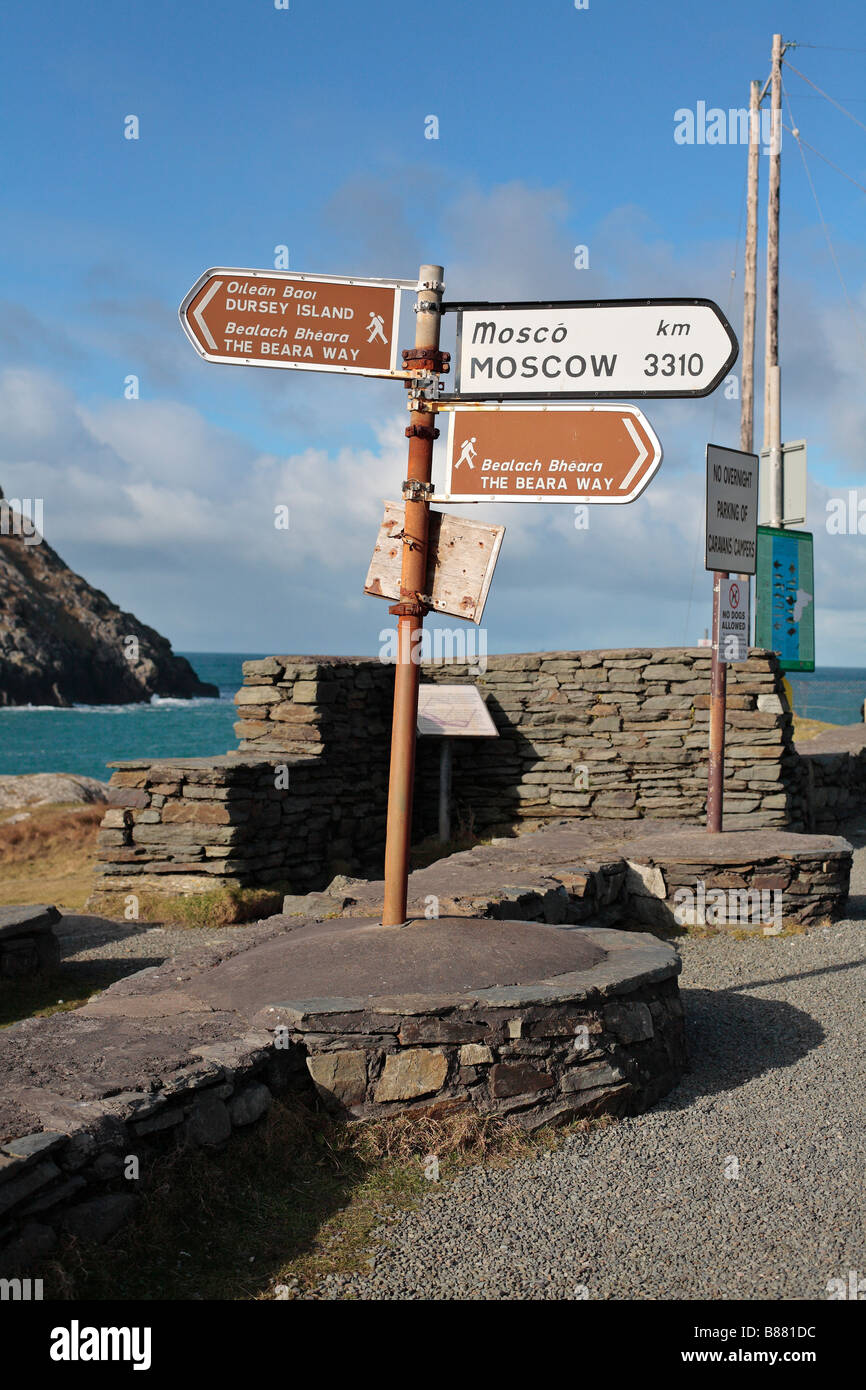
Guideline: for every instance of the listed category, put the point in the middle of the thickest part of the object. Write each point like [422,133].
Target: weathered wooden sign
[461,558]
[318,323]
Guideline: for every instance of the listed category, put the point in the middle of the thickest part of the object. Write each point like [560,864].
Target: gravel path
[644,1210]
[102,949]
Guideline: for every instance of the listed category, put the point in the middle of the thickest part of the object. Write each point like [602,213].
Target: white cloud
[172,514]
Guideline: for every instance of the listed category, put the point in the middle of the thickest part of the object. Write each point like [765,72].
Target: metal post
[747,357]
[774,444]
[445,791]
[750,284]
[410,610]
[718,684]
[771,343]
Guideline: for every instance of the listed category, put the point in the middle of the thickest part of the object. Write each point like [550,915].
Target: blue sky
[305,127]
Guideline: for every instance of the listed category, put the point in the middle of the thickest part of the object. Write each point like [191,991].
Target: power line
[797,136]
[807,96]
[731,285]
[826,230]
[832,100]
[829,48]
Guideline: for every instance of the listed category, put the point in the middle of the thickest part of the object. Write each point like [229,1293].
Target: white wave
[156,702]
[173,702]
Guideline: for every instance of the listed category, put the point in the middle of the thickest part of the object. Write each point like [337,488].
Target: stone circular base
[538,1022]
[756,880]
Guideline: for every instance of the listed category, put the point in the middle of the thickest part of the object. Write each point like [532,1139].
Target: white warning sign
[733,628]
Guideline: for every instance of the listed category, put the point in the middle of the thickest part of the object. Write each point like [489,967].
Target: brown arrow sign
[556,453]
[321,323]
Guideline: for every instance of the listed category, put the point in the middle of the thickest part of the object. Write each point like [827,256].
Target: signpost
[731,541]
[554,453]
[318,323]
[785,597]
[448,712]
[585,350]
[573,351]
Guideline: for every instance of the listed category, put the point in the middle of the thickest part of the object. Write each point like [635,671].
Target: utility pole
[426,359]
[772,385]
[718,669]
[750,284]
[747,358]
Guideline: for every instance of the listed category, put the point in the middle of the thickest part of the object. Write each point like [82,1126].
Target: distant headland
[63,643]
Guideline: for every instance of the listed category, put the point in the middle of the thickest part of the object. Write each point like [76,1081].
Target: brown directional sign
[556,453]
[321,323]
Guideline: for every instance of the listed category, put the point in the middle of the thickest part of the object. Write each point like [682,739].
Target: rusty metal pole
[427,360]
[718,690]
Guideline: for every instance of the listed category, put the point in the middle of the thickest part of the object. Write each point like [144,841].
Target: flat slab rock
[693,846]
[538,861]
[143,1030]
[546,859]
[27,920]
[49,788]
[843,738]
[358,958]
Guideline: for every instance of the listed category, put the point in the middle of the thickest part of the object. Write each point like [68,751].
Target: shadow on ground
[227,1224]
[732,1037]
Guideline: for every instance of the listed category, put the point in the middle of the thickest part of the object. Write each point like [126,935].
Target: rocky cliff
[62,642]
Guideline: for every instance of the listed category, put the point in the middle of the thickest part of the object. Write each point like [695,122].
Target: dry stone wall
[835,788]
[537,1064]
[622,735]
[618,734]
[76,1180]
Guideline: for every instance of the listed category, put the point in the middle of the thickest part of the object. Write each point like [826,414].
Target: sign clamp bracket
[413,489]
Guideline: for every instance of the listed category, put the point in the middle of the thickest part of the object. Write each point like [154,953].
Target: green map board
[785,597]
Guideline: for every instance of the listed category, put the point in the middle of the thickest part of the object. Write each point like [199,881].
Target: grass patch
[296,1199]
[226,906]
[804,729]
[50,856]
[40,996]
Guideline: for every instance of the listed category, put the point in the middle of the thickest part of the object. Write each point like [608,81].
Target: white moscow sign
[732,510]
[592,350]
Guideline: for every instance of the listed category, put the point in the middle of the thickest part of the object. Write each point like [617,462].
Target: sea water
[86,738]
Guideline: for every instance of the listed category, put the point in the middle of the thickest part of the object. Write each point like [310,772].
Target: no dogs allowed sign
[732,637]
